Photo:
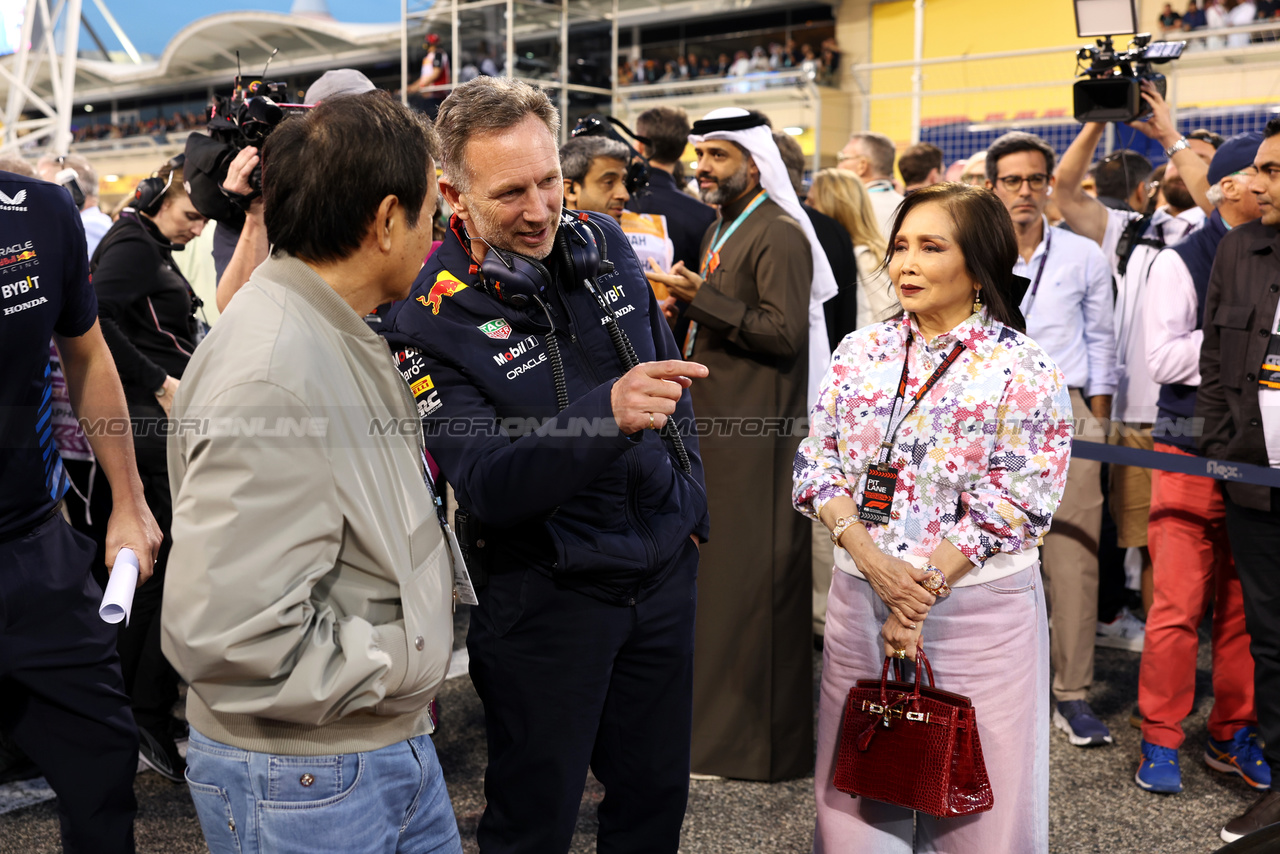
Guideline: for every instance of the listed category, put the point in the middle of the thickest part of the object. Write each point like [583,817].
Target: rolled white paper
[117,601]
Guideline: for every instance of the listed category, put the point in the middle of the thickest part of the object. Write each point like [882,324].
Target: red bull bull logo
[446,285]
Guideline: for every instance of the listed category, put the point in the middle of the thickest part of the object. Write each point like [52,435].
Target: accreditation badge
[877,499]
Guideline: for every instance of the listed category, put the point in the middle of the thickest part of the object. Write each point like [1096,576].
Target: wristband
[1180,145]
[935,581]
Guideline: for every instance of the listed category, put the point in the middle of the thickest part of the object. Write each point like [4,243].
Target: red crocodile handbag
[913,746]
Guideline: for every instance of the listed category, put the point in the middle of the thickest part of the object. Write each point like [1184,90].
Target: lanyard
[1035,286]
[712,260]
[436,498]
[896,418]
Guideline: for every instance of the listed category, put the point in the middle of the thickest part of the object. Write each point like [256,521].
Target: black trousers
[149,678]
[570,683]
[1255,544]
[61,694]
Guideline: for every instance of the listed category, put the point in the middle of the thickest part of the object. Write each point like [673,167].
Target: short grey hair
[86,175]
[577,155]
[1012,143]
[486,105]
[17,165]
[879,151]
[1215,195]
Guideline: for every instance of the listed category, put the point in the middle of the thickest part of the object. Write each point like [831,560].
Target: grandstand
[953,72]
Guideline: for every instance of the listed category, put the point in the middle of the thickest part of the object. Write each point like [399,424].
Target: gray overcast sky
[151,23]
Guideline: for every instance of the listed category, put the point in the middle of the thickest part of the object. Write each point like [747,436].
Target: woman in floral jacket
[937,456]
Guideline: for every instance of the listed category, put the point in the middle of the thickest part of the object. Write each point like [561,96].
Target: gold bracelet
[935,581]
[842,525]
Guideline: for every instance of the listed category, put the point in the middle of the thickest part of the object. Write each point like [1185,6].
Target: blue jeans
[387,800]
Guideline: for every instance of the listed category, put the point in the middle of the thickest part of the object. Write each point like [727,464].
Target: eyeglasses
[976,179]
[1013,183]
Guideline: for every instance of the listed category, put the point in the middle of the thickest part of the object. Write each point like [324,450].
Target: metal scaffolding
[544,43]
[36,50]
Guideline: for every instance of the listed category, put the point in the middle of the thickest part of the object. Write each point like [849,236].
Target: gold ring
[651,424]
[900,653]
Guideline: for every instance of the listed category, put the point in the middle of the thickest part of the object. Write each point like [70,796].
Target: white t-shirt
[1269,402]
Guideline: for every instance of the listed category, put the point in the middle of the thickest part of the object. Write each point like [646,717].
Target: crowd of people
[1217,15]
[149,127]
[663,439]
[823,63]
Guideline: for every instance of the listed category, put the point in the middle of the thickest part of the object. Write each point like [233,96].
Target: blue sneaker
[1241,755]
[1077,720]
[1159,771]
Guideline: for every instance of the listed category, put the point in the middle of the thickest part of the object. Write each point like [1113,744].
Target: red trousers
[1192,561]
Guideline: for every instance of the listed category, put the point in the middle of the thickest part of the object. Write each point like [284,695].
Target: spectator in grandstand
[829,63]
[95,221]
[1240,13]
[148,315]
[666,130]
[1187,536]
[840,195]
[594,169]
[63,700]
[1169,20]
[1237,400]
[952,260]
[310,587]
[1215,17]
[920,166]
[16,164]
[589,590]
[779,59]
[1130,241]
[741,66]
[975,170]
[1069,311]
[756,306]
[870,156]
[670,72]
[1193,18]
[435,72]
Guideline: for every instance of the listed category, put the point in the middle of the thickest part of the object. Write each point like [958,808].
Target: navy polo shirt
[44,291]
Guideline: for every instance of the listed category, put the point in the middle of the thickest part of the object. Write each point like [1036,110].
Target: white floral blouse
[982,458]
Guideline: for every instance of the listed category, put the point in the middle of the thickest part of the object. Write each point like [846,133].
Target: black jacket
[687,218]
[146,306]
[841,310]
[567,493]
[1244,289]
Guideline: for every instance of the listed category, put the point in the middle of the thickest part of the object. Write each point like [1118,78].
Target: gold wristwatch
[842,525]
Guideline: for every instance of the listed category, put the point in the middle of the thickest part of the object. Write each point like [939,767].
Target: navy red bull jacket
[566,493]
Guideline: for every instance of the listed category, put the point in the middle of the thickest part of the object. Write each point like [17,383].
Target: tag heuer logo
[497,329]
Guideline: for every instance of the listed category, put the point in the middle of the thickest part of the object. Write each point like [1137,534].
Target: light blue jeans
[383,801]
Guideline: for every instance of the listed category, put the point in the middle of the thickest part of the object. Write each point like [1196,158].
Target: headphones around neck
[149,196]
[517,279]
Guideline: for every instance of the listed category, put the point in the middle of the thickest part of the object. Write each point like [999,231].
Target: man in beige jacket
[308,598]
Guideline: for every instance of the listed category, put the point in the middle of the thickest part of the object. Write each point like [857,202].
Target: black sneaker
[159,753]
[1265,811]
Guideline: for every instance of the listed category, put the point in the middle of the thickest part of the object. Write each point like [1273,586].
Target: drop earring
[977,301]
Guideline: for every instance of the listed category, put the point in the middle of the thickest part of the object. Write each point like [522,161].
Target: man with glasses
[1239,400]
[870,157]
[975,170]
[1187,535]
[1069,310]
[1131,241]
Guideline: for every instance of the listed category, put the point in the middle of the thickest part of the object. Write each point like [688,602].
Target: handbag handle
[921,658]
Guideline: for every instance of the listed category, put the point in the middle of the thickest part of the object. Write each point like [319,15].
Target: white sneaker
[1124,632]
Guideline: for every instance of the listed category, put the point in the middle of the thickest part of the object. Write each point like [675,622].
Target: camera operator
[1131,241]
[545,380]
[251,248]
[148,319]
